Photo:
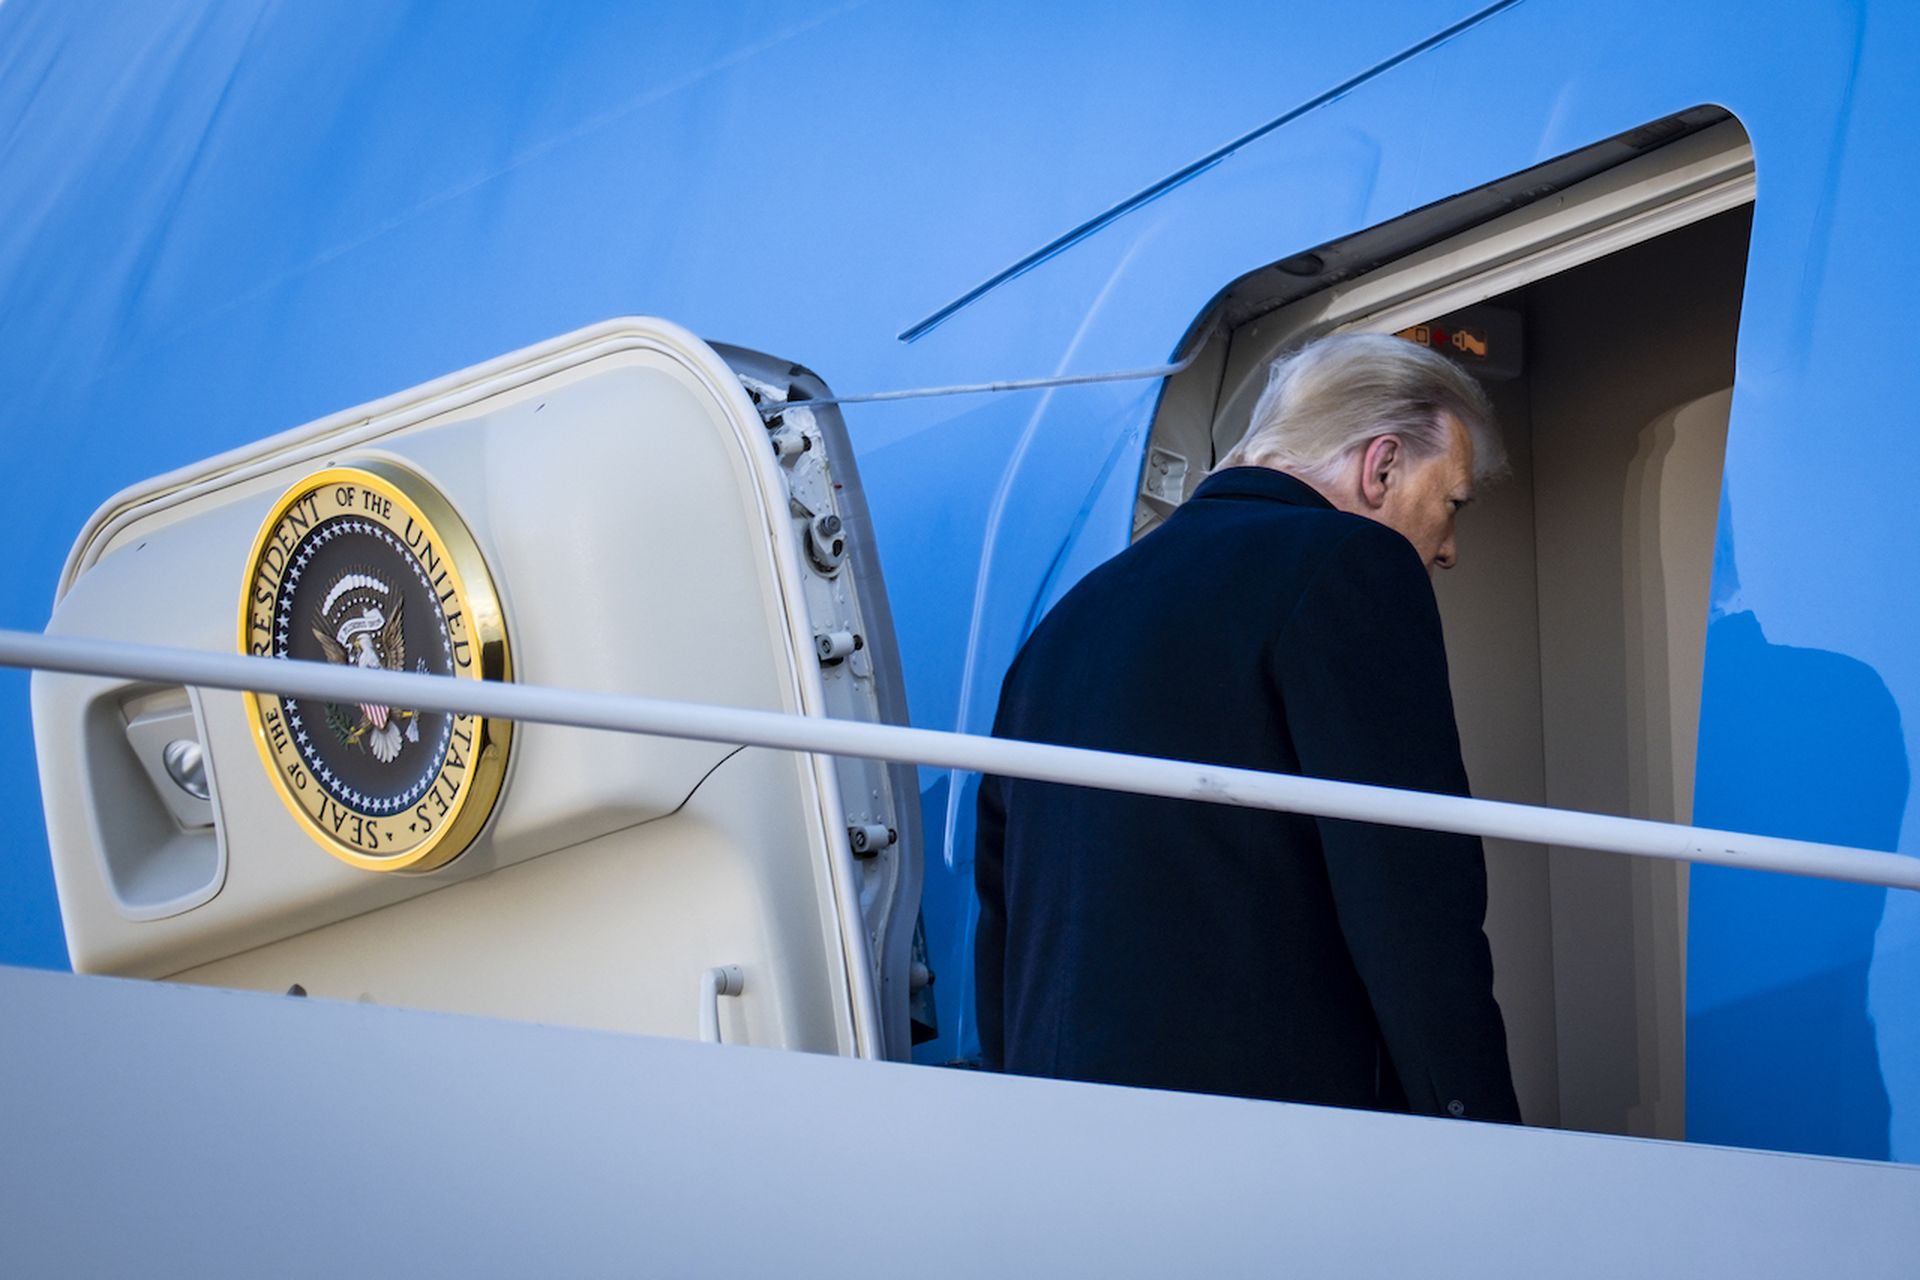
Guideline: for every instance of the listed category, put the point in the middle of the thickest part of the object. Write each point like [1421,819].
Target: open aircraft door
[618,510]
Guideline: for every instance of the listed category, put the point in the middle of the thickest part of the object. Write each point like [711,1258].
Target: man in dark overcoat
[1282,619]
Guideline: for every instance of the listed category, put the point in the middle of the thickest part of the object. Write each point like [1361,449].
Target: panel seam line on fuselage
[1178,177]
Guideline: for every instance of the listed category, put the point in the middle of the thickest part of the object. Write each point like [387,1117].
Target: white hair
[1325,401]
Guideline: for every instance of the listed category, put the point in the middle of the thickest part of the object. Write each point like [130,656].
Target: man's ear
[1379,468]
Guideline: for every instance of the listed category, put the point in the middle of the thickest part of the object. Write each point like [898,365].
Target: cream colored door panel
[645,910]
[644,533]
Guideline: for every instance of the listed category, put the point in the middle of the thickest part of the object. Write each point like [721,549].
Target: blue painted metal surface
[224,219]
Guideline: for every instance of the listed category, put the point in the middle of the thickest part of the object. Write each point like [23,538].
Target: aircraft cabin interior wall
[1576,624]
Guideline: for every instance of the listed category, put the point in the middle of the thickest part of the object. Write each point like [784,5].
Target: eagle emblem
[359,624]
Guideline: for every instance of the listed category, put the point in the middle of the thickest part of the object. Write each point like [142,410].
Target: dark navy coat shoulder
[1183,945]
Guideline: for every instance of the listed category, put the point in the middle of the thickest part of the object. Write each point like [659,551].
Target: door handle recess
[721,980]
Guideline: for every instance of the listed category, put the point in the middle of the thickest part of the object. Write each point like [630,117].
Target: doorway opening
[1601,316]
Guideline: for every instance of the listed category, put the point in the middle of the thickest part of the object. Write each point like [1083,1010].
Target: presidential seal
[368,566]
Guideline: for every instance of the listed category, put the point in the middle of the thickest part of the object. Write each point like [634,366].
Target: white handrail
[1076,766]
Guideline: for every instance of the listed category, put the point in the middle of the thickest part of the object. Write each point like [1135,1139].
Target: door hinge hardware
[827,543]
[835,646]
[789,444]
[868,839]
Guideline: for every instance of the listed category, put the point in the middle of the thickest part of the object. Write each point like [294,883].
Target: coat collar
[1261,482]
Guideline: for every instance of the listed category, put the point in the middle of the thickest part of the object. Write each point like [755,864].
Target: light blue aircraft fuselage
[221,220]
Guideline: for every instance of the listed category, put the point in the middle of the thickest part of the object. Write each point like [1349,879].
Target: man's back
[1204,947]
